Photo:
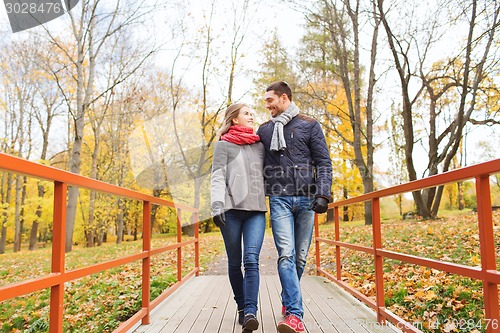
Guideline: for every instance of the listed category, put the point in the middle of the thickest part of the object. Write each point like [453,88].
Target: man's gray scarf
[278,140]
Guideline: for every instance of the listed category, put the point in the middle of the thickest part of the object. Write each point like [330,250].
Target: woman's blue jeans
[292,222]
[248,226]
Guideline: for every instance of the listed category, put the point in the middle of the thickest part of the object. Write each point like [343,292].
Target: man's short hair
[280,88]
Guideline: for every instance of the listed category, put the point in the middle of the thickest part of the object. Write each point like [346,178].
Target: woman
[239,206]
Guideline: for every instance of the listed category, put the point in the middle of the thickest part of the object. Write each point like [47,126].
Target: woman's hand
[218,214]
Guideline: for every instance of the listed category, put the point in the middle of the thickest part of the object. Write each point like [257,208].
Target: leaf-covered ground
[432,300]
[97,303]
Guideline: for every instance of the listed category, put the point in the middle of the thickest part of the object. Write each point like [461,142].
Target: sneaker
[283,311]
[241,315]
[250,323]
[291,324]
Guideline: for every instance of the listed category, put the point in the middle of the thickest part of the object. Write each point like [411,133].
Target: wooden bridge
[203,303]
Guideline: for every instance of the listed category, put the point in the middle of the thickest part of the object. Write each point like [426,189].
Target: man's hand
[319,205]
[218,214]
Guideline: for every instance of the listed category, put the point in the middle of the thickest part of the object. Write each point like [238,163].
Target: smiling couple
[291,148]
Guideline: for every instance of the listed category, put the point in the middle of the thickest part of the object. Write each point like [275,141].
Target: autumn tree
[98,116]
[46,108]
[118,126]
[95,28]
[18,70]
[333,49]
[462,76]
[211,52]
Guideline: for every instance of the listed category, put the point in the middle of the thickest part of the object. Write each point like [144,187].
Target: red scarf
[240,135]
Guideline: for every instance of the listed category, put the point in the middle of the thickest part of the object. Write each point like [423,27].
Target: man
[298,180]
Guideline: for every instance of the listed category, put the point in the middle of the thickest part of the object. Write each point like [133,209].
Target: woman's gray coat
[237,176]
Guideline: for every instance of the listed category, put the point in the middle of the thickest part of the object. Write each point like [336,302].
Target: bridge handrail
[59,276]
[488,272]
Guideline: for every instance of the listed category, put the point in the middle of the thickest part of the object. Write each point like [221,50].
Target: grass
[433,300]
[100,302]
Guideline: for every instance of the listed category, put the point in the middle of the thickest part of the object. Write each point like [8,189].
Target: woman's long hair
[231,113]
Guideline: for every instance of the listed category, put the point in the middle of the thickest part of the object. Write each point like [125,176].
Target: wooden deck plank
[203,311]
[229,320]
[205,304]
[214,308]
[218,314]
[162,313]
[266,314]
[334,301]
[275,287]
[188,314]
[315,319]
[327,317]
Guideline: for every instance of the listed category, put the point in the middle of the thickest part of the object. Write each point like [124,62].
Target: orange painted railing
[59,276]
[488,272]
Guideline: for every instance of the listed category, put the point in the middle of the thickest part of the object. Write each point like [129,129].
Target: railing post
[316,235]
[197,243]
[338,264]
[179,249]
[378,259]
[487,246]
[146,262]
[58,257]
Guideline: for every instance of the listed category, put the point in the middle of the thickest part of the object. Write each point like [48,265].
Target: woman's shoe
[250,323]
[241,316]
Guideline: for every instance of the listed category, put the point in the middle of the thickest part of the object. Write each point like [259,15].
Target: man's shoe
[250,323]
[283,311]
[291,324]
[241,315]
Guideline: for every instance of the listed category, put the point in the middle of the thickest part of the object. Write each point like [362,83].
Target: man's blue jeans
[292,224]
[250,227]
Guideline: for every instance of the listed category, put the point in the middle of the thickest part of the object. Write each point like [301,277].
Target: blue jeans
[292,224]
[250,227]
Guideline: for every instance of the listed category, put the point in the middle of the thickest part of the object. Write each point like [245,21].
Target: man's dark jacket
[304,167]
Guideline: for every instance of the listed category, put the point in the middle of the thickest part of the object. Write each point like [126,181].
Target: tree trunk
[329,216]
[368,187]
[38,216]
[154,209]
[5,214]
[346,208]
[119,222]
[92,230]
[100,232]
[422,208]
[135,231]
[348,69]
[460,197]
[17,215]
[400,204]
[41,189]
[23,201]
